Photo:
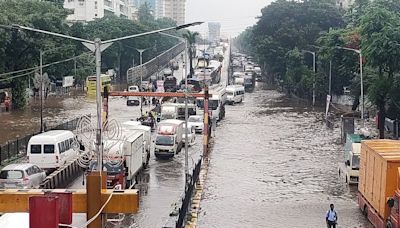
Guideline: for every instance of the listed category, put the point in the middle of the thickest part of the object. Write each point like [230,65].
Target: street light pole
[41,91]
[330,78]
[141,75]
[185,59]
[99,140]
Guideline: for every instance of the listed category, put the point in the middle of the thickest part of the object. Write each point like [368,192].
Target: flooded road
[274,164]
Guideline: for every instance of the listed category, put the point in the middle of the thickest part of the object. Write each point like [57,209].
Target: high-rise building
[88,10]
[345,4]
[214,31]
[174,9]
[138,3]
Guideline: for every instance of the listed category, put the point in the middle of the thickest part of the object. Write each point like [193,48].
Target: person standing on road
[331,217]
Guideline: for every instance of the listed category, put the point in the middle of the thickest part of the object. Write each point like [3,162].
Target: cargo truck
[169,138]
[130,151]
[134,126]
[378,188]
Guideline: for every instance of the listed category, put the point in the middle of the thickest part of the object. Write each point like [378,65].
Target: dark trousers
[331,224]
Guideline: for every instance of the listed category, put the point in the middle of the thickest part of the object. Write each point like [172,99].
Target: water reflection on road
[274,164]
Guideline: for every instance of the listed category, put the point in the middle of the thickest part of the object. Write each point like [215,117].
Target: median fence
[186,200]
[153,66]
[17,148]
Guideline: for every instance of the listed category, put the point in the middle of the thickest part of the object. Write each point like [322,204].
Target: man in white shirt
[331,217]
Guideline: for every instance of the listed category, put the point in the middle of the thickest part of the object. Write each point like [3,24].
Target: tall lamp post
[314,69]
[358,51]
[185,58]
[141,73]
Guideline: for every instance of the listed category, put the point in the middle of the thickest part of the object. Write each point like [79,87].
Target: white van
[235,94]
[52,149]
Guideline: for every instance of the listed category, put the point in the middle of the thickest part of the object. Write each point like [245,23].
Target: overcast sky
[234,15]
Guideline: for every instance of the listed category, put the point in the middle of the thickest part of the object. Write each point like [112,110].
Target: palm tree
[191,39]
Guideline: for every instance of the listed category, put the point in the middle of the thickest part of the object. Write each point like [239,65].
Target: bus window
[36,149]
[48,149]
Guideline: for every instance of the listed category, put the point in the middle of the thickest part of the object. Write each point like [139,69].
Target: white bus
[52,149]
[235,94]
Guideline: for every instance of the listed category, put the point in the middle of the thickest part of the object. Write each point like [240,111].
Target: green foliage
[283,27]
[191,40]
[20,49]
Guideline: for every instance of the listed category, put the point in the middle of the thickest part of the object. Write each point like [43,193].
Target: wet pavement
[274,164]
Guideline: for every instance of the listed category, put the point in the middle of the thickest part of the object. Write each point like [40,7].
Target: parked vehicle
[191,134]
[169,138]
[24,176]
[378,188]
[234,94]
[197,122]
[134,126]
[51,149]
[169,111]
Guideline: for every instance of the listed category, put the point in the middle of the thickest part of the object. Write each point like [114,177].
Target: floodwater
[274,164]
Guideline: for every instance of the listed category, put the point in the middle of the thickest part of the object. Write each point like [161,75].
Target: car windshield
[165,140]
[11,174]
[355,162]
[195,119]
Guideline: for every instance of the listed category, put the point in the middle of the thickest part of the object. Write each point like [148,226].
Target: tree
[191,39]
[276,33]
[21,49]
[380,28]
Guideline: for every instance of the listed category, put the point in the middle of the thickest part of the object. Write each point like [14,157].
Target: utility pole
[314,69]
[330,77]
[141,76]
[41,91]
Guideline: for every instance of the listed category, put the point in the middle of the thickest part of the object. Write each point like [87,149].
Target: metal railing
[186,200]
[17,148]
[155,65]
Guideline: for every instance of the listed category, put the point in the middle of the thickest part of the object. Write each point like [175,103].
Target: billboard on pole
[68,81]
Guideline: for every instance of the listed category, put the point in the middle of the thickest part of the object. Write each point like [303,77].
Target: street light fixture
[97,46]
[358,51]
[313,54]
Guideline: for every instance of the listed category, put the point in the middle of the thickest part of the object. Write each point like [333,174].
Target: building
[345,4]
[138,3]
[214,31]
[174,9]
[89,10]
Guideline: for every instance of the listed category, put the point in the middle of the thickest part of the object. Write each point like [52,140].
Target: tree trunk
[191,62]
[381,122]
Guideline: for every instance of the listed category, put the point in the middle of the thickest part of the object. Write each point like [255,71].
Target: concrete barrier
[63,176]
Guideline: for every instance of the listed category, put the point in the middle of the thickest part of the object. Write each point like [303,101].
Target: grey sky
[234,15]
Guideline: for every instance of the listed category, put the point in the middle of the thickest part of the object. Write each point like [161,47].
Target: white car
[191,134]
[25,176]
[197,122]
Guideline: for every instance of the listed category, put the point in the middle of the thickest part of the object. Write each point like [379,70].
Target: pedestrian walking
[331,217]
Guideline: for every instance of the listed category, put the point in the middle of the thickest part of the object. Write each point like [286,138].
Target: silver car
[23,176]
[197,122]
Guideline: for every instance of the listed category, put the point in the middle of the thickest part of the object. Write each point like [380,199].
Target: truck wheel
[389,224]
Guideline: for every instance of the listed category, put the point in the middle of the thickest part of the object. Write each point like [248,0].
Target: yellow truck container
[379,163]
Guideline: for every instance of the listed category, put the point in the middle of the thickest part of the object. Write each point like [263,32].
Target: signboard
[68,81]
[160,86]
[328,103]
